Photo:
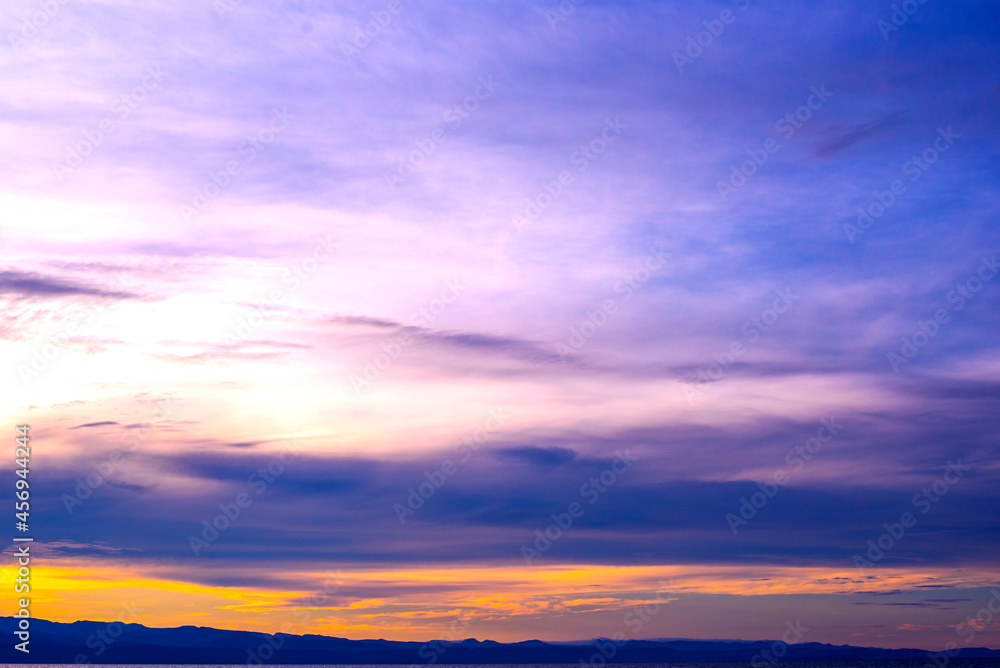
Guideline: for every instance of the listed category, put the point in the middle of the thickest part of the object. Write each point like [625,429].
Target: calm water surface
[899,663]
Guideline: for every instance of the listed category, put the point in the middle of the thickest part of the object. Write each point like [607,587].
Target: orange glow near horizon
[398,604]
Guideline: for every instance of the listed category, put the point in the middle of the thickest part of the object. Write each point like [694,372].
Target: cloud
[458,342]
[517,348]
[544,458]
[496,344]
[341,509]
[910,605]
[855,135]
[221,355]
[30,284]
[95,424]
[362,321]
[136,489]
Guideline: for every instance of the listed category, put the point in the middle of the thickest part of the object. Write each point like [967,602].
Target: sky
[397,319]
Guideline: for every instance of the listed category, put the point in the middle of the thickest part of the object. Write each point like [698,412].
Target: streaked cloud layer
[485,249]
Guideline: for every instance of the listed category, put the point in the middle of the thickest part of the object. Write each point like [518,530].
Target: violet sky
[495,244]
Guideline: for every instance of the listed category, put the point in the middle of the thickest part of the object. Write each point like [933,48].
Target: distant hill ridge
[118,643]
